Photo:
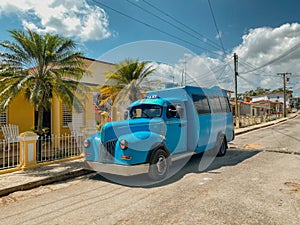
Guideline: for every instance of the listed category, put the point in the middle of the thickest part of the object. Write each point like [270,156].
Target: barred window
[3,118]
[66,115]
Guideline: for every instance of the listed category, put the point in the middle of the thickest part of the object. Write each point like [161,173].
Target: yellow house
[59,118]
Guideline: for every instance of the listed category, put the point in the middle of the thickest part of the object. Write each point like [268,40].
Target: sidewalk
[243,130]
[28,179]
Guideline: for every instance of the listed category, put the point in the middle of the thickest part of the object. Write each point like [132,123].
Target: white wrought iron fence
[54,147]
[9,154]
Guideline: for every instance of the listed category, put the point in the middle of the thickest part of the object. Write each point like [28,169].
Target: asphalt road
[255,183]
[283,137]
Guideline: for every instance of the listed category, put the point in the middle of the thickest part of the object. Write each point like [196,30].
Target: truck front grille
[107,151]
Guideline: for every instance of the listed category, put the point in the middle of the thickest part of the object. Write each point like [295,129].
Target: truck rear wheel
[159,165]
[223,148]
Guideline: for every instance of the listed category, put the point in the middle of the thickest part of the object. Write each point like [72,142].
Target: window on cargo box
[201,104]
[225,104]
[215,104]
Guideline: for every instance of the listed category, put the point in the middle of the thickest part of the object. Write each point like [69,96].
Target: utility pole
[235,57]
[284,91]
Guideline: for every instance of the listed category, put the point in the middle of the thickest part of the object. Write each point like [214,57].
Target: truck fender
[154,148]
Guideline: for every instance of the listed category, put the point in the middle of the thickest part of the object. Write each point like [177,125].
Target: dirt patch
[252,146]
[292,188]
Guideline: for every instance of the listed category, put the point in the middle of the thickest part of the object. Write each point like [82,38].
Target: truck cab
[157,130]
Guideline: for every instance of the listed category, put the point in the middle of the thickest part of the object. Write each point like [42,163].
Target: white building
[273,97]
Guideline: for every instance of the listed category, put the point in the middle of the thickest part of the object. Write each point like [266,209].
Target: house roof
[267,101]
[270,93]
[95,60]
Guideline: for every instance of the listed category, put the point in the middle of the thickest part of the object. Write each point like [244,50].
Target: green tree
[40,66]
[278,90]
[257,91]
[127,73]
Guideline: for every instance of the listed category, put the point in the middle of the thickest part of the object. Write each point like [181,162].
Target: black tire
[223,148]
[159,165]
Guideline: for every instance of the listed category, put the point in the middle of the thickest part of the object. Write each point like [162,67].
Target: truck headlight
[123,144]
[86,143]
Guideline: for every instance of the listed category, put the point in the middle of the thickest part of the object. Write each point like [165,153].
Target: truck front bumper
[118,169]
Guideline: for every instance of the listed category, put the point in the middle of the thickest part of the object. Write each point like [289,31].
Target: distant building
[266,107]
[273,97]
[258,108]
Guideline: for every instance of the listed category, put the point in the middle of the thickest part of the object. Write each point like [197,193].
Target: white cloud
[195,70]
[259,46]
[69,18]
[262,45]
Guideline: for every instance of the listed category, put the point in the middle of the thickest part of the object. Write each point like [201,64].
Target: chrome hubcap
[161,164]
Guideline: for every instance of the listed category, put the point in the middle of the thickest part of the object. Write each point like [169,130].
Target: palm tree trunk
[40,119]
[40,131]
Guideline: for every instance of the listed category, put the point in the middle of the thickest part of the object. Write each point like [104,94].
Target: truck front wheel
[159,165]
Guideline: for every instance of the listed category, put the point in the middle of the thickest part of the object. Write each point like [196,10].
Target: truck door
[176,132]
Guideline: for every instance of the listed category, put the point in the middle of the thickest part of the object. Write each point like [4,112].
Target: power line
[216,26]
[286,53]
[173,25]
[248,65]
[212,43]
[153,27]
[218,31]
[213,70]
[244,62]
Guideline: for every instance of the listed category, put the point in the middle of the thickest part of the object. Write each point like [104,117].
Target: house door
[46,120]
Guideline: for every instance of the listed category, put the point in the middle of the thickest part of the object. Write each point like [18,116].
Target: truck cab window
[145,111]
[175,111]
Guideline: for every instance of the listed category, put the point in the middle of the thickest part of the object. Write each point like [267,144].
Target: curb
[45,181]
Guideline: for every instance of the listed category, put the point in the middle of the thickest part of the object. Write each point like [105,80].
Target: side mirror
[126,114]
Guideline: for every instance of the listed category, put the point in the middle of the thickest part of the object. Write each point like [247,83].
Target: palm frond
[41,66]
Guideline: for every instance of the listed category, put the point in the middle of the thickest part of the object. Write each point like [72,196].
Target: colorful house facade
[58,120]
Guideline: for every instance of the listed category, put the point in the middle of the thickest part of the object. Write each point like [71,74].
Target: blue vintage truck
[167,125]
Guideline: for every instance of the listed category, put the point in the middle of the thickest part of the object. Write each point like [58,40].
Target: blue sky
[258,31]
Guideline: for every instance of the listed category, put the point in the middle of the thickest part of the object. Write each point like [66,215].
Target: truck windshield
[145,111]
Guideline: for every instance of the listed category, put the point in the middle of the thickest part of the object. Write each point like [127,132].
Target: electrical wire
[171,24]
[216,26]
[286,53]
[212,43]
[154,27]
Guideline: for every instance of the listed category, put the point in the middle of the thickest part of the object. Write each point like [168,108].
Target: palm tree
[40,66]
[127,73]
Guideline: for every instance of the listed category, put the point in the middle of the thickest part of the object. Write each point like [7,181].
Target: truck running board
[179,156]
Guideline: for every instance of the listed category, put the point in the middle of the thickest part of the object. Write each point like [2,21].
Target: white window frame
[66,116]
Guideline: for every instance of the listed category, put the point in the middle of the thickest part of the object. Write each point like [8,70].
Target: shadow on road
[180,168]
